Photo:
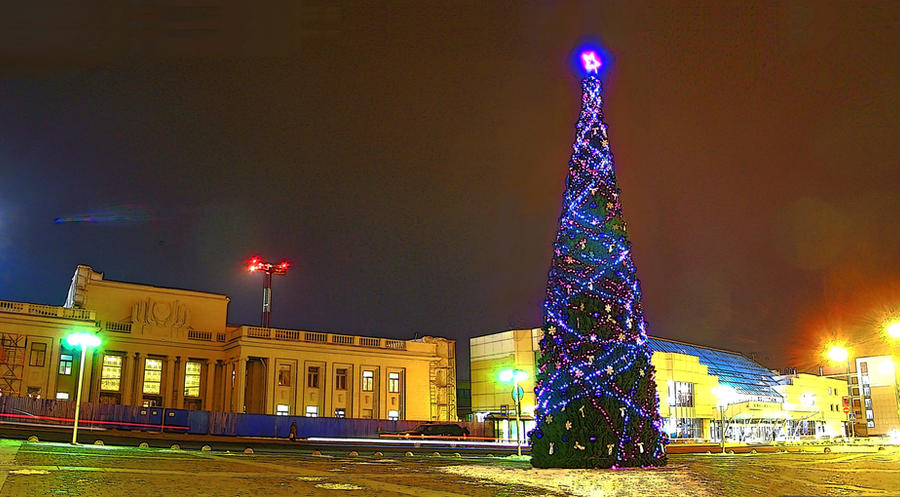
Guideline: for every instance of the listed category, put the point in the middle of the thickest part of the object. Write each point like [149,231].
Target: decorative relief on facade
[154,312]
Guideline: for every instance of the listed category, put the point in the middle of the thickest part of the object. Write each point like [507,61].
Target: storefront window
[192,371]
[152,376]
[111,373]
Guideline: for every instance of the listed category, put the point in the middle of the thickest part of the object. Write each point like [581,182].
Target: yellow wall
[238,365]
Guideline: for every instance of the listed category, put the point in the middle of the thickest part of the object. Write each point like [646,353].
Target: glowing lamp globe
[508,375]
[837,354]
[87,340]
[893,329]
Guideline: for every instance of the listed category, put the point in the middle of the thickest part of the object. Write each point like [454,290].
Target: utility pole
[268,269]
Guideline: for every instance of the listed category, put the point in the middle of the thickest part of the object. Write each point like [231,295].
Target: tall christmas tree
[597,404]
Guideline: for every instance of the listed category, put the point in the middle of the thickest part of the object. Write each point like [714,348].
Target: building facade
[172,348]
[692,382]
[877,394]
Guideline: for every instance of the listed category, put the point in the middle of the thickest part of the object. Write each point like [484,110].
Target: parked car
[435,430]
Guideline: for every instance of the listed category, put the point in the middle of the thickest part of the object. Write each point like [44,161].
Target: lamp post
[516,376]
[85,341]
[726,395]
[837,355]
[268,269]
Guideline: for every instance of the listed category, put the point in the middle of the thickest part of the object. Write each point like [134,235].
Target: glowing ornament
[579,446]
[609,448]
[641,447]
[551,448]
[549,418]
[622,411]
[609,370]
[581,410]
[568,425]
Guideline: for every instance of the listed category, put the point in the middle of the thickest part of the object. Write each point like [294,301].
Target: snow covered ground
[856,473]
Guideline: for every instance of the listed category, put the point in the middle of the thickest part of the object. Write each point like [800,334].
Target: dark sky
[408,158]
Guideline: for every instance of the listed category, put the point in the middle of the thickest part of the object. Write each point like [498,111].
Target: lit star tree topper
[597,402]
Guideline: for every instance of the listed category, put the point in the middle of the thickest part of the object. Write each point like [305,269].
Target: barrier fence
[118,417]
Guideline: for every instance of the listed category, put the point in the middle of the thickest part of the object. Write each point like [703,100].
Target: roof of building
[747,377]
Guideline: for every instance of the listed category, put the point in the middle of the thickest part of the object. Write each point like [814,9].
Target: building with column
[691,380]
[172,348]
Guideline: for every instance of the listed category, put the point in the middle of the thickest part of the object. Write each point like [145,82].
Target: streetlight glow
[85,341]
[837,354]
[893,329]
[515,376]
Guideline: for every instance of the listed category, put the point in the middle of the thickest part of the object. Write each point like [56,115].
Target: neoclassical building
[172,348]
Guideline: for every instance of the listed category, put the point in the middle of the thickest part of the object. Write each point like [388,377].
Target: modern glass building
[698,388]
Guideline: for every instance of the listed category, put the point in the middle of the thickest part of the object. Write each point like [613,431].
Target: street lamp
[893,329]
[515,376]
[267,268]
[85,341]
[838,355]
[727,395]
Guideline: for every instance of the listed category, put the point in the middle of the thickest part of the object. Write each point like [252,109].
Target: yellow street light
[837,355]
[893,329]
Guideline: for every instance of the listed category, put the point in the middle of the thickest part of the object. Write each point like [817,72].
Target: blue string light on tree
[597,403]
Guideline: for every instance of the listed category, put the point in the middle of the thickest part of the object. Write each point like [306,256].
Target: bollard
[353,453]
[175,447]
[98,442]
[144,445]
[33,439]
[206,448]
[248,450]
[378,455]
[408,454]
[316,453]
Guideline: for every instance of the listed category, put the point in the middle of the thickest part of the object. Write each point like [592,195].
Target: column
[178,384]
[227,387]
[126,380]
[137,390]
[93,361]
[240,384]
[270,385]
[207,385]
[55,350]
[169,383]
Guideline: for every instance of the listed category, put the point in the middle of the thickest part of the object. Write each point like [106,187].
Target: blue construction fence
[27,410]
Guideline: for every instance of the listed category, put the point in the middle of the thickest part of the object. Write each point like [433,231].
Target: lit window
[340,379]
[65,364]
[681,394]
[868,402]
[339,413]
[152,376]
[312,411]
[284,375]
[394,382]
[368,381]
[808,400]
[192,371]
[871,424]
[38,352]
[870,414]
[62,395]
[111,373]
[393,415]
[282,410]
[312,377]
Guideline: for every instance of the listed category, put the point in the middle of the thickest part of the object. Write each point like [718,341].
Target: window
[368,381]
[870,414]
[871,424]
[863,367]
[38,352]
[192,371]
[34,392]
[869,403]
[65,364]
[340,379]
[312,377]
[393,415]
[312,411]
[282,410]
[111,373]
[808,400]
[681,394]
[284,375]
[152,376]
[394,382]
[339,413]
[866,391]
[62,395]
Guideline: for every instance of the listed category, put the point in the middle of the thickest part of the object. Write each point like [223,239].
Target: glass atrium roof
[751,380]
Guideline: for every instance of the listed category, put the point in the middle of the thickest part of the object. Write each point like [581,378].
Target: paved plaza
[36,469]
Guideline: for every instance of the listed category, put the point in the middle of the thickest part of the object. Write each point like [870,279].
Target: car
[436,430]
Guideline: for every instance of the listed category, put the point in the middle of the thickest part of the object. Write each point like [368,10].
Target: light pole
[726,395]
[85,341]
[837,355]
[256,264]
[516,376]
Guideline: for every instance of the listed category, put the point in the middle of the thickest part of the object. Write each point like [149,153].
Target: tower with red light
[256,264]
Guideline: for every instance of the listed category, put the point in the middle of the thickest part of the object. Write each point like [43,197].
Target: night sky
[409,159]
